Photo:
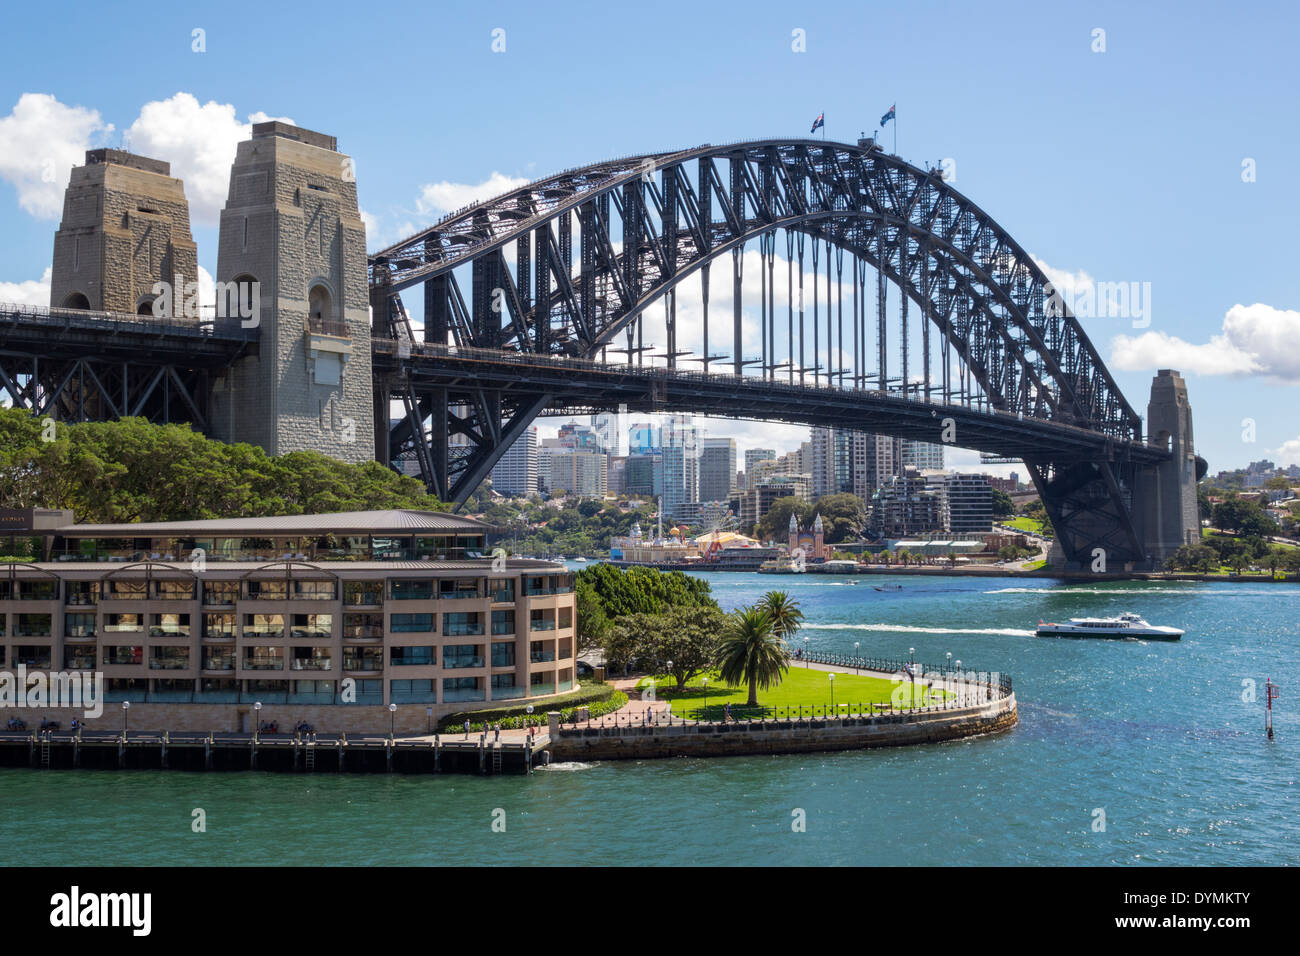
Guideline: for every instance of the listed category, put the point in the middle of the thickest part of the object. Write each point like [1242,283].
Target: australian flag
[819,121]
[887,117]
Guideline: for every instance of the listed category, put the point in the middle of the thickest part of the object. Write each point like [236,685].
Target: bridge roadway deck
[580,384]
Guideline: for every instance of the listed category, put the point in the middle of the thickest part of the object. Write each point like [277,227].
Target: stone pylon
[292,261]
[126,227]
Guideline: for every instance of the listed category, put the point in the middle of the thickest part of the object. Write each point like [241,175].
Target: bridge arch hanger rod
[865,253]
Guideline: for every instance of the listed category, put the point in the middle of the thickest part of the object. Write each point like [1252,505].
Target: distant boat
[888,587]
[1127,624]
[580,559]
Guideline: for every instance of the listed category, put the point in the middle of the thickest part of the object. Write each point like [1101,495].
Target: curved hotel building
[325,618]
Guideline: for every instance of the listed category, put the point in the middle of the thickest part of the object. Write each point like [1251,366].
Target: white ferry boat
[1126,625]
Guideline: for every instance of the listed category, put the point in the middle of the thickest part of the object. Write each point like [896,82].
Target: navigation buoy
[1270,694]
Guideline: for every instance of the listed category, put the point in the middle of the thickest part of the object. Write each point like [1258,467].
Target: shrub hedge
[597,698]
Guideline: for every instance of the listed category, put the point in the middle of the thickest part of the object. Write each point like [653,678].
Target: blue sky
[1122,165]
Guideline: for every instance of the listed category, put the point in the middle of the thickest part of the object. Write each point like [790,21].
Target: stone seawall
[748,738]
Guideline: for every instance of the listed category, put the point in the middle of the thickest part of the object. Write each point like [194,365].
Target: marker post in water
[1270,694]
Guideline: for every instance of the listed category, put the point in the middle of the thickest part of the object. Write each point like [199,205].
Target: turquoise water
[1156,735]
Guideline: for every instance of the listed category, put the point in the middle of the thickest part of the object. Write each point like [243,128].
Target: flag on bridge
[819,121]
[887,117]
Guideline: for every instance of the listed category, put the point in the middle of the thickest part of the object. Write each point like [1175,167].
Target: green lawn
[1021,523]
[1035,565]
[802,688]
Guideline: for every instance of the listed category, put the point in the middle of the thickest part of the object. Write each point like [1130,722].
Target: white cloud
[199,141]
[1255,339]
[1289,453]
[29,292]
[40,141]
[1069,284]
[444,197]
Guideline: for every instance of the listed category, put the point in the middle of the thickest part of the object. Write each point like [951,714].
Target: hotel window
[363,593]
[33,655]
[422,656]
[505,688]
[128,590]
[502,590]
[263,689]
[174,590]
[453,588]
[123,654]
[462,624]
[502,681]
[411,623]
[313,625]
[79,658]
[503,654]
[363,659]
[124,688]
[219,626]
[369,691]
[169,625]
[169,658]
[218,659]
[455,656]
[539,653]
[311,691]
[82,593]
[34,625]
[313,590]
[461,688]
[403,589]
[539,620]
[170,688]
[411,691]
[312,659]
[77,625]
[268,590]
[263,625]
[362,626]
[219,689]
[566,649]
[38,590]
[535,585]
[220,593]
[123,622]
[263,658]
[564,617]
[503,622]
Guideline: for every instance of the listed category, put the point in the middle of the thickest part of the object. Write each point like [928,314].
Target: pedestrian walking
[467,729]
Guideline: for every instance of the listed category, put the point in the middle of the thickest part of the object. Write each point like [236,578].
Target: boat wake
[910,629]
[568,765]
[1121,591]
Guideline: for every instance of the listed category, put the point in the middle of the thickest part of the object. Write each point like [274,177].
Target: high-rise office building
[717,468]
[679,446]
[921,455]
[643,476]
[515,474]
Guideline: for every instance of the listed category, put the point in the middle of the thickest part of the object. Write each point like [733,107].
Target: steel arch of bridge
[646,223]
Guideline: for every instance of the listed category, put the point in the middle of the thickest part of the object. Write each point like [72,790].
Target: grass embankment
[1021,523]
[599,699]
[803,691]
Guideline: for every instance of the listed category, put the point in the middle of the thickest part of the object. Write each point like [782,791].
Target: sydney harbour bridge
[886,302]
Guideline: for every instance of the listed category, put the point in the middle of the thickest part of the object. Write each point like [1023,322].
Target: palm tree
[784,613]
[752,652]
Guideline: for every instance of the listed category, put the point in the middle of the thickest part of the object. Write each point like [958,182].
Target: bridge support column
[1164,498]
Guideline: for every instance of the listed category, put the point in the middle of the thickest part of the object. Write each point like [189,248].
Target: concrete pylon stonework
[125,227]
[1167,510]
[293,239]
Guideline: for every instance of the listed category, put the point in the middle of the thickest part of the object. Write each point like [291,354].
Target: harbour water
[1126,753]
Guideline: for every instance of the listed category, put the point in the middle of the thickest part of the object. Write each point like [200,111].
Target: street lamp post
[856,644]
[257,719]
[529,709]
[831,678]
[705,682]
[805,652]
[960,695]
[948,670]
[911,659]
[392,722]
[126,706]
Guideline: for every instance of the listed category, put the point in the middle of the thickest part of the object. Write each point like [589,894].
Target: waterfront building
[921,455]
[967,502]
[316,616]
[515,474]
[811,540]
[643,475]
[679,446]
[905,505]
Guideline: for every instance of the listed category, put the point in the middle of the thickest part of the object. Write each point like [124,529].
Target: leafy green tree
[775,525]
[751,652]
[843,515]
[784,613]
[687,636]
[1003,506]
